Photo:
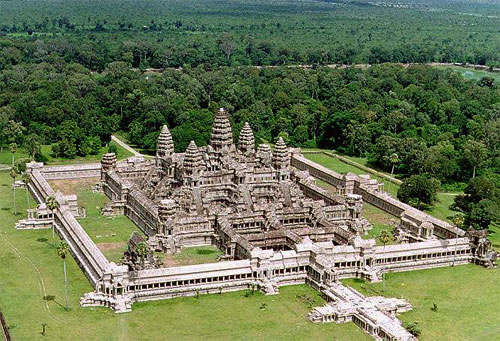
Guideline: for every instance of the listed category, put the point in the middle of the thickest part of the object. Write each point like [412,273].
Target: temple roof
[246,141]
[222,134]
[281,156]
[165,144]
[193,159]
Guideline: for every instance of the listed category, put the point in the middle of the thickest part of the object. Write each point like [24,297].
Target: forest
[160,33]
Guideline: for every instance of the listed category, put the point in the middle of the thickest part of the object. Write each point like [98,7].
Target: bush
[413,329]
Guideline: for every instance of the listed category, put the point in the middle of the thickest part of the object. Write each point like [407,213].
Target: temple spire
[222,135]
[246,141]
[193,160]
[281,157]
[165,144]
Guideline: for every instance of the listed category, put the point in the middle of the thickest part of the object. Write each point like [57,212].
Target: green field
[471,73]
[467,297]
[109,233]
[31,270]
[6,156]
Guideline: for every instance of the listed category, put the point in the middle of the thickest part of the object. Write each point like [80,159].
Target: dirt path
[126,146]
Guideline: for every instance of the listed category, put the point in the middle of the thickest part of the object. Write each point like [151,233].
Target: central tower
[222,134]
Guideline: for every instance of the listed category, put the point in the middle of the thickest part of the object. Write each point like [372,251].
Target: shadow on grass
[42,240]
[52,298]
[205,252]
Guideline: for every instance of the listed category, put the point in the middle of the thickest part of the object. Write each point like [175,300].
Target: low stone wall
[86,170]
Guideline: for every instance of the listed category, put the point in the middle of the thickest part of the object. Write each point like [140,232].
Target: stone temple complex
[262,208]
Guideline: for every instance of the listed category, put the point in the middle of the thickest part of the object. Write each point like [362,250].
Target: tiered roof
[222,134]
[193,160]
[281,157]
[246,142]
[165,145]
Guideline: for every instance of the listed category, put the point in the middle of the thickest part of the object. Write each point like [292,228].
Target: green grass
[109,233]
[467,297]
[6,156]
[28,257]
[441,208]
[471,73]
[380,220]
[194,255]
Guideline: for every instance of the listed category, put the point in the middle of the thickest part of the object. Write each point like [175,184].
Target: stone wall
[84,170]
[86,253]
[365,187]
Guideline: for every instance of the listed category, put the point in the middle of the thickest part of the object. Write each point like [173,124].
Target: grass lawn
[441,208]
[192,255]
[380,220]
[31,270]
[109,233]
[471,73]
[6,156]
[467,297]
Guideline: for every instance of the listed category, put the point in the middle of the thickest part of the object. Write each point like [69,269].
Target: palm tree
[62,250]
[52,204]
[384,237]
[458,220]
[13,150]
[13,175]
[26,179]
[393,159]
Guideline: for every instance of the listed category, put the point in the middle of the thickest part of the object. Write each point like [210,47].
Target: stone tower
[165,144]
[108,162]
[222,134]
[193,160]
[246,141]
[281,157]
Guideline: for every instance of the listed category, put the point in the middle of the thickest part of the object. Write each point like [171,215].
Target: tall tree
[384,238]
[13,150]
[475,152]
[52,204]
[62,251]
[418,189]
[13,175]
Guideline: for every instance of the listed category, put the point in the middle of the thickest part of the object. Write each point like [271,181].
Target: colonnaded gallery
[264,210]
